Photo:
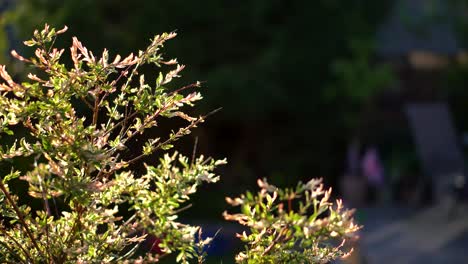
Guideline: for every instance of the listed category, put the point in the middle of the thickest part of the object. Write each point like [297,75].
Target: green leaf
[12,175]
[166,146]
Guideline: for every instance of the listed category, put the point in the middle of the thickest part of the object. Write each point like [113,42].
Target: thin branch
[182,209]
[12,252]
[20,216]
[96,109]
[44,199]
[49,213]
[130,219]
[26,253]
[192,85]
[121,123]
[194,151]
[51,44]
[122,74]
[127,117]
[125,120]
[130,252]
[67,239]
[179,134]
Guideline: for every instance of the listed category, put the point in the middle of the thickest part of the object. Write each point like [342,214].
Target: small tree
[95,207]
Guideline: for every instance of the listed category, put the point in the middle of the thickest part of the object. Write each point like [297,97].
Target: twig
[49,213]
[20,216]
[96,109]
[178,135]
[182,209]
[194,152]
[197,84]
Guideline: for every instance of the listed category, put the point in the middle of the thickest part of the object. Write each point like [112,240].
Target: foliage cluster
[292,225]
[95,207]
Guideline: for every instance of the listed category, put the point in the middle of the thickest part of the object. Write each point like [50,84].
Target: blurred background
[369,95]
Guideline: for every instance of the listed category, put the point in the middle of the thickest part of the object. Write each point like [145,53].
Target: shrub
[95,206]
[297,225]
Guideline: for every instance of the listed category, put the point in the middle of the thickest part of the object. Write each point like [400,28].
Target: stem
[121,123]
[51,44]
[96,110]
[130,219]
[44,198]
[127,118]
[194,151]
[184,88]
[49,213]
[20,216]
[66,241]
[74,230]
[182,209]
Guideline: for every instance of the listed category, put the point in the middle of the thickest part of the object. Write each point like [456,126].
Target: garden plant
[73,126]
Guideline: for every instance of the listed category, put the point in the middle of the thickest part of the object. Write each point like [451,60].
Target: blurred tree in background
[282,71]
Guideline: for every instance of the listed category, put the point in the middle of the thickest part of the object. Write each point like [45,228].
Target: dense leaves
[78,157]
[297,225]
